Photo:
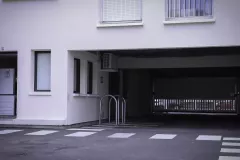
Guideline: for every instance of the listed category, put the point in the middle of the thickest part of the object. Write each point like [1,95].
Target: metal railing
[123,108]
[195,105]
[119,101]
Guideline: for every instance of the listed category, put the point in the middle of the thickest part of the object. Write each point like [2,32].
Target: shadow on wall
[139,93]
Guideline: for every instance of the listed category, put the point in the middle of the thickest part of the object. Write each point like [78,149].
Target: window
[90,78]
[188,8]
[117,11]
[42,71]
[76,83]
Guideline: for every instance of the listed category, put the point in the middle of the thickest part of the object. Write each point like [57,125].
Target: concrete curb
[78,125]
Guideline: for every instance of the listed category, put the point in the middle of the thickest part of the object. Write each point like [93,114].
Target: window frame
[90,72]
[36,53]
[122,21]
[191,17]
[76,75]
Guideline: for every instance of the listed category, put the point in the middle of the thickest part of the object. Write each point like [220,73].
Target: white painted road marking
[228,158]
[209,138]
[80,134]
[41,133]
[231,144]
[95,128]
[231,139]
[121,135]
[163,136]
[8,131]
[230,150]
[86,129]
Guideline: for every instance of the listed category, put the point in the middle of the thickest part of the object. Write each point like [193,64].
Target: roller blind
[121,10]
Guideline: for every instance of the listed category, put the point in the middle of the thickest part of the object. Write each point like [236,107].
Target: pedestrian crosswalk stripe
[41,133]
[228,158]
[231,144]
[231,139]
[80,134]
[121,135]
[209,138]
[230,150]
[8,131]
[163,136]
[86,129]
[95,128]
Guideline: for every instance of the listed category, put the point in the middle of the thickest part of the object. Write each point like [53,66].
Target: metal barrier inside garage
[196,94]
[195,105]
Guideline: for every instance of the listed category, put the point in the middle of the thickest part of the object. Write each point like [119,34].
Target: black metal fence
[195,105]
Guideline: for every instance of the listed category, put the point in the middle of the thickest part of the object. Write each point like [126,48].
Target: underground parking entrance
[177,84]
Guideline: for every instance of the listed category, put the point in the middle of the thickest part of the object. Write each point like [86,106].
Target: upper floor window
[121,11]
[188,8]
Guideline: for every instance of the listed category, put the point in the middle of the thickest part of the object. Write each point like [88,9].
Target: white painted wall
[47,108]
[62,25]
[72,25]
[83,107]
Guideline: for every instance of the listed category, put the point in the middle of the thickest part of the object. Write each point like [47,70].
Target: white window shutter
[121,10]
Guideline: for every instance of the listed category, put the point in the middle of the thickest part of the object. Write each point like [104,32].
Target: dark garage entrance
[188,90]
[203,90]
[183,80]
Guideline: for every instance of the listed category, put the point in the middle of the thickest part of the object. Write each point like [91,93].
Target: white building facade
[52,49]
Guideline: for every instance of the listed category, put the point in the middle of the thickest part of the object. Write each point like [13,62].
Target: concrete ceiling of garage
[177,52]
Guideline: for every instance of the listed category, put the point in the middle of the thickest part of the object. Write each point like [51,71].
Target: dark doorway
[8,83]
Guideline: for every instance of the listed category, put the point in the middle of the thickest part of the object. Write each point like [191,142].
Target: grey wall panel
[7,105]
[6,81]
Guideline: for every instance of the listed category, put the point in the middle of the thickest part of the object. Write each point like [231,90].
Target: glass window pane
[198,7]
[75,75]
[90,78]
[182,7]
[168,8]
[177,8]
[187,8]
[43,72]
[171,7]
[208,7]
[192,5]
[202,7]
[76,78]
